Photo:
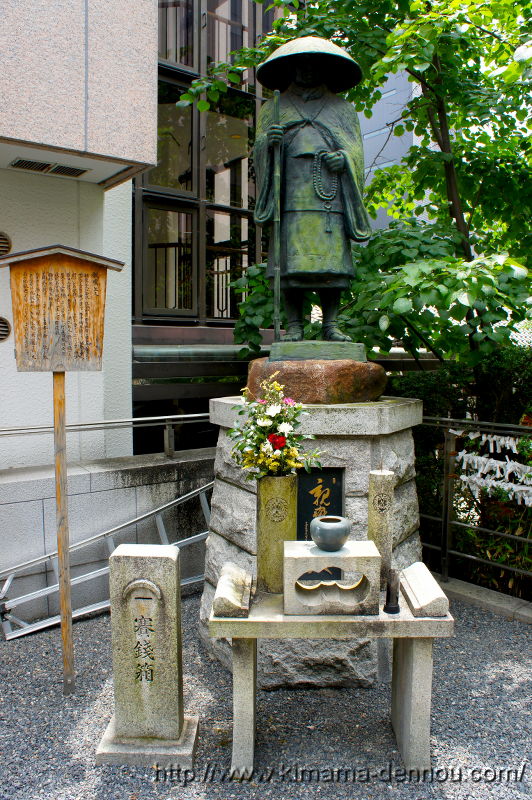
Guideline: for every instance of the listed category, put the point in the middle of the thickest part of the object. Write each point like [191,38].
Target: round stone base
[319,382]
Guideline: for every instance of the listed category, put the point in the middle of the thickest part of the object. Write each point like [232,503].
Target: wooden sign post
[58,297]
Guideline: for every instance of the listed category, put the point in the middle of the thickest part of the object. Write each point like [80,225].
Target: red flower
[277,441]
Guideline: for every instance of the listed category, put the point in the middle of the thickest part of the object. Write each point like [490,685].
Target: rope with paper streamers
[491,474]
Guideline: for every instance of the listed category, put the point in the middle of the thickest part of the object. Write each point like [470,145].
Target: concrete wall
[35,211]
[101,494]
[80,75]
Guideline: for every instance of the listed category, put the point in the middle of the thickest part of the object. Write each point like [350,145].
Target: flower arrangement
[267,442]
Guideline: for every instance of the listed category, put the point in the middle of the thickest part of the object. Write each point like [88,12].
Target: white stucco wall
[35,211]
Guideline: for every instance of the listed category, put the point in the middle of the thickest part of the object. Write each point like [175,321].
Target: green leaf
[384,322]
[402,305]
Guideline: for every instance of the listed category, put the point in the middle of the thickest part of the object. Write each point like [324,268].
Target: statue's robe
[316,233]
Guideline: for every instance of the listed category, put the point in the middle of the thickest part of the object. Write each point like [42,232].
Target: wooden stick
[277,223]
[65,604]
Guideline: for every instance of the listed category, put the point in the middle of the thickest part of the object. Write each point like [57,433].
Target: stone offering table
[412,666]
[354,439]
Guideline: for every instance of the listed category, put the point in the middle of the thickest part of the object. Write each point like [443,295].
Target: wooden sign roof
[55,249]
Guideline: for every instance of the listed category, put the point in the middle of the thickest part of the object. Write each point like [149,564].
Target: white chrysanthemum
[272,411]
[263,422]
[266,447]
[285,427]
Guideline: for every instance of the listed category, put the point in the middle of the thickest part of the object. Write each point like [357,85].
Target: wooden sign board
[58,298]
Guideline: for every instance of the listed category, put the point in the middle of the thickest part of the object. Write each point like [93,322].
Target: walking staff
[277,223]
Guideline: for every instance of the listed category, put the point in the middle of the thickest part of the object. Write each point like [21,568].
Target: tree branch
[422,338]
[488,32]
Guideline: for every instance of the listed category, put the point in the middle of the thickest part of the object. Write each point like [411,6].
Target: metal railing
[453,430]
[8,575]
[169,423]
[14,626]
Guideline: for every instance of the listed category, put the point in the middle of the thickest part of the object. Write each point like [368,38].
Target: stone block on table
[356,592]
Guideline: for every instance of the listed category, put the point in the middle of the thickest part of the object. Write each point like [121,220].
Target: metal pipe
[476,425]
[136,422]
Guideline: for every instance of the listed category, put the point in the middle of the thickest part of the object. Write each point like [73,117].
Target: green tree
[452,268]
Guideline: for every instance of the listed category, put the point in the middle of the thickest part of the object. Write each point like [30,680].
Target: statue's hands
[335,161]
[275,134]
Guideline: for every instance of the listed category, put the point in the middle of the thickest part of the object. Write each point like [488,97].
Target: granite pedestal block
[357,438]
[356,592]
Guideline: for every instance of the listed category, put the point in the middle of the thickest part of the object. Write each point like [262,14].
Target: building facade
[79,103]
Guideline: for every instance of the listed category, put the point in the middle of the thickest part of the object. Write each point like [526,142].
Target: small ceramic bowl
[330,533]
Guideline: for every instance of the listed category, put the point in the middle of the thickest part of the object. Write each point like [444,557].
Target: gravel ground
[480,724]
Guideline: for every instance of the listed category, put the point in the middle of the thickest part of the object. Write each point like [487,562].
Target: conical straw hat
[336,67]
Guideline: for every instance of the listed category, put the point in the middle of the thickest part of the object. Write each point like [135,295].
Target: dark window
[194,230]
[174,141]
[229,138]
[229,27]
[169,283]
[230,249]
[176,32]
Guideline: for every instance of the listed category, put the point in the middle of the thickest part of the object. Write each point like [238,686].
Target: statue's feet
[294,333]
[332,333]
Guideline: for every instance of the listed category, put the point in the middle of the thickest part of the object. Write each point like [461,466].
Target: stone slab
[317,662]
[152,468]
[233,512]
[267,620]
[405,517]
[357,457]
[376,418]
[324,351]
[361,454]
[146,752]
[225,466]
[488,599]
[406,552]
[360,565]
[422,593]
[233,592]
[218,551]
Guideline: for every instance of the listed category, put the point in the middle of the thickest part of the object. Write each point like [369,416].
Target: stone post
[148,726]
[380,517]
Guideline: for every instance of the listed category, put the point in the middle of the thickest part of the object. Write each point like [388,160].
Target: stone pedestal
[320,381]
[358,437]
[148,725]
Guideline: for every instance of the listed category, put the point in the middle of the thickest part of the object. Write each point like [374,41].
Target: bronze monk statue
[322,176]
